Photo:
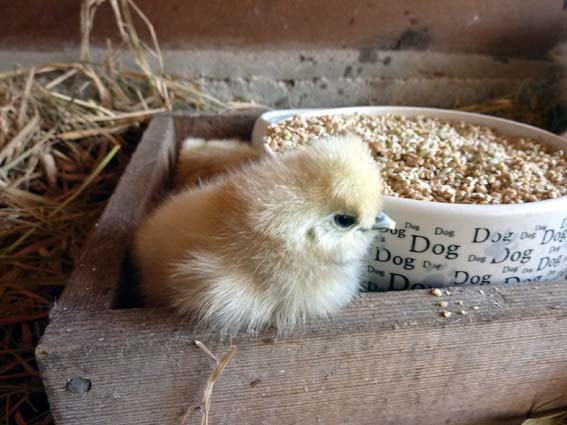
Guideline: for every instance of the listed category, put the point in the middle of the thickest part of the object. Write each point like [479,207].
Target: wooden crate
[388,359]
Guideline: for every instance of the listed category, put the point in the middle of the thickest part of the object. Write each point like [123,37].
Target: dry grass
[540,105]
[204,406]
[66,133]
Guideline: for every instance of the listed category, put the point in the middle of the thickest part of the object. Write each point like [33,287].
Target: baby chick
[272,244]
[201,160]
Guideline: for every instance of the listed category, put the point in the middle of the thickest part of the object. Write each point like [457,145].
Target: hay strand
[67,131]
[205,404]
[542,105]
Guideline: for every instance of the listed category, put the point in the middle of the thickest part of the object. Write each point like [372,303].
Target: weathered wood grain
[390,358]
[230,124]
[95,280]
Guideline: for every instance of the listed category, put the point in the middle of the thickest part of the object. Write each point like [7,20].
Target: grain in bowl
[426,158]
[477,199]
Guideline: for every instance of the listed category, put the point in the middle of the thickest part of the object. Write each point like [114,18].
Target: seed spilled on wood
[436,292]
[446,314]
[442,303]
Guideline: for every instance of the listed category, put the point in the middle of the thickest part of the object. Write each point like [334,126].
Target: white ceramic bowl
[439,244]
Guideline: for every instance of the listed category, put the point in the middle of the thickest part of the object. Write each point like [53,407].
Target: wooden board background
[502,28]
[388,359]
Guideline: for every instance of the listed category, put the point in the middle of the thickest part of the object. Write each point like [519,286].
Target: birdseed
[436,292]
[442,303]
[434,160]
[446,313]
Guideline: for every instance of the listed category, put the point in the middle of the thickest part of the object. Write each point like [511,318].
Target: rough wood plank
[503,28]
[236,123]
[96,278]
[389,359]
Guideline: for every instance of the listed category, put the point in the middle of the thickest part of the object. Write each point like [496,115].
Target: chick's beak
[383,222]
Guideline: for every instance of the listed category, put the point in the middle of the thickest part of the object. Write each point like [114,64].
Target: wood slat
[388,359]
[97,275]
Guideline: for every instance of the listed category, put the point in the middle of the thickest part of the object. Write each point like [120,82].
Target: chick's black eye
[344,220]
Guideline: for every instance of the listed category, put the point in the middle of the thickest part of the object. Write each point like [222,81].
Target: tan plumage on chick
[200,160]
[272,244]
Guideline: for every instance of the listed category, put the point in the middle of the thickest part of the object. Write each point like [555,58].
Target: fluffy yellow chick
[200,160]
[272,244]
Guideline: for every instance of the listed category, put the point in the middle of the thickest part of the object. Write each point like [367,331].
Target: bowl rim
[276,116]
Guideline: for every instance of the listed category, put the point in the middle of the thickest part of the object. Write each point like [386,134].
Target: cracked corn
[435,160]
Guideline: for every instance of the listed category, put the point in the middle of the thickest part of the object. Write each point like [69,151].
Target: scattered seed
[442,303]
[436,292]
[448,293]
[463,312]
[460,302]
[446,313]
[475,307]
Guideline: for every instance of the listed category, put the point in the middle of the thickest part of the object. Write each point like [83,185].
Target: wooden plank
[507,27]
[390,358]
[98,273]
[236,123]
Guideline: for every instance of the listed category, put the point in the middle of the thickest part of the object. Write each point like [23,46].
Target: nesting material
[67,131]
[433,160]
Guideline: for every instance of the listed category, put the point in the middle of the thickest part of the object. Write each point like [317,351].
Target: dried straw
[558,418]
[66,133]
[205,404]
[539,104]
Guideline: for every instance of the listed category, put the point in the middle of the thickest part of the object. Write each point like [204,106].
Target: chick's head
[330,194]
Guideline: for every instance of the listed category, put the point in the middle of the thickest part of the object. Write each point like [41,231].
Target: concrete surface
[331,77]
